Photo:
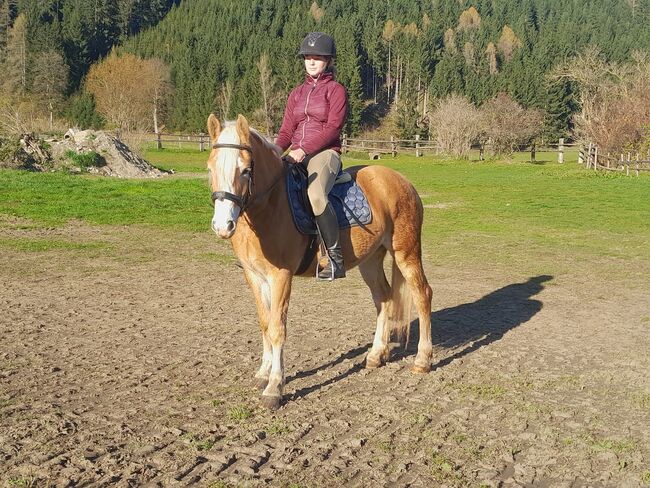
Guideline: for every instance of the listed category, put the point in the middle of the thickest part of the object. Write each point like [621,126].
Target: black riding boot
[328,227]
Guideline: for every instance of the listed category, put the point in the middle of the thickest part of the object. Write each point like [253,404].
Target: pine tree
[559,108]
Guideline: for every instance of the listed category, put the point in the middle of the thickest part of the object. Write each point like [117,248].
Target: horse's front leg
[262,294]
[280,286]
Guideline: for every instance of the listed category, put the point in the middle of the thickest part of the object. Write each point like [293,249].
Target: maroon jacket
[314,116]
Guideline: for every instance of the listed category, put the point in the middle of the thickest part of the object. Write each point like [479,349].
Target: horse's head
[230,167]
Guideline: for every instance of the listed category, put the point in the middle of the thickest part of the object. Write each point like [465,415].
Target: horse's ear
[243,129]
[214,128]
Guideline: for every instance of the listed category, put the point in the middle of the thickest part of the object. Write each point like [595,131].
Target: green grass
[475,212]
[197,443]
[52,199]
[42,245]
[182,160]
[240,413]
[493,210]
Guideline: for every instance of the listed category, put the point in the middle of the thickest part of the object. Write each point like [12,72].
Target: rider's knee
[317,199]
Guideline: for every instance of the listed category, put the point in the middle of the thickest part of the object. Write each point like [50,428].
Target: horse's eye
[246,173]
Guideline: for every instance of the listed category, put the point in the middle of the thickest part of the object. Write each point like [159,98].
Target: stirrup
[331,271]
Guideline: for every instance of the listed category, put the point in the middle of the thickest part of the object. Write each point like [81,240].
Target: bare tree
[508,42]
[49,79]
[469,19]
[14,67]
[455,125]
[390,29]
[268,92]
[491,52]
[614,98]
[223,99]
[507,125]
[161,91]
[316,12]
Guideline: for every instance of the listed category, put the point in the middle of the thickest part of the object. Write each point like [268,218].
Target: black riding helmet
[317,43]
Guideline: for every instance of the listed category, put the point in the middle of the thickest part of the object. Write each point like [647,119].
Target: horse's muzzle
[227,232]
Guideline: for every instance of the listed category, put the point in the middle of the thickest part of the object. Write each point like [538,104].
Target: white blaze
[226,212]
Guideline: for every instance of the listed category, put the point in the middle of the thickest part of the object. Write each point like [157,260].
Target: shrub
[507,125]
[455,124]
[85,160]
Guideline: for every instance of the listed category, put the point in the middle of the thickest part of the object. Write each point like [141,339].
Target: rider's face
[315,65]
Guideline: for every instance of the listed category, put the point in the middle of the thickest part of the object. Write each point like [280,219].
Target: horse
[246,175]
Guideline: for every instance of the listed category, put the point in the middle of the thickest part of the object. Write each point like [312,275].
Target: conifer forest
[394,56]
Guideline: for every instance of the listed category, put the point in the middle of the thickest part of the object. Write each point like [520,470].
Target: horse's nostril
[231,226]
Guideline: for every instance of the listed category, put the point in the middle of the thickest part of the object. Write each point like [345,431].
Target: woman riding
[311,129]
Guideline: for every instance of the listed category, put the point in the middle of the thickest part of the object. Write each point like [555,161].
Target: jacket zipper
[306,114]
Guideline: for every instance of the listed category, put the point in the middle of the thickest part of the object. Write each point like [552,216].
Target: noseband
[241,202]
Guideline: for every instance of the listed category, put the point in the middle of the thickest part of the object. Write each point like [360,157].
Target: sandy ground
[130,363]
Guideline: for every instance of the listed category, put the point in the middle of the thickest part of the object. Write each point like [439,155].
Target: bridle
[243,202]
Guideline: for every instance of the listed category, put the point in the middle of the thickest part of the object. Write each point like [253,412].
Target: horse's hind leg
[408,257]
[372,271]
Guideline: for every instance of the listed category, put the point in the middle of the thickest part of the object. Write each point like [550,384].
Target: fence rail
[592,158]
[374,147]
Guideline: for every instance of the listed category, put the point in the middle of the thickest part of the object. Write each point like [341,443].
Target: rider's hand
[297,154]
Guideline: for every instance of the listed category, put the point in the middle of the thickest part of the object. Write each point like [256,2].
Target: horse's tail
[398,308]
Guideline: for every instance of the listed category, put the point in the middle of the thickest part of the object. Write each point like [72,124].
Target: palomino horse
[247,178]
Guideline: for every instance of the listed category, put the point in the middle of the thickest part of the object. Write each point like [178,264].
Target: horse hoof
[260,383]
[376,360]
[271,402]
[373,363]
[421,369]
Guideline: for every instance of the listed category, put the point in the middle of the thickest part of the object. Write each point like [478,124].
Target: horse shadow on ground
[463,329]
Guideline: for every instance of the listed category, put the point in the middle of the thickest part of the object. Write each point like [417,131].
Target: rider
[311,129]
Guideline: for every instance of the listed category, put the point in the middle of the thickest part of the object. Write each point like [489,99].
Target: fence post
[532,152]
[637,164]
[158,141]
[595,158]
[481,152]
[417,146]
[393,147]
[589,156]
[581,154]
[344,149]
[560,151]
[607,161]
[201,142]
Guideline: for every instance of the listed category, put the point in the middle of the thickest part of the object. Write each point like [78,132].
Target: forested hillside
[232,56]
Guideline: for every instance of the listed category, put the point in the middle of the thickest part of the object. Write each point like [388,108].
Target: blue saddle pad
[346,199]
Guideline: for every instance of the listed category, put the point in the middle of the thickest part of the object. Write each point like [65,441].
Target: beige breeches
[322,169]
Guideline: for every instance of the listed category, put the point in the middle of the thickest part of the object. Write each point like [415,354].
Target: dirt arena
[128,361]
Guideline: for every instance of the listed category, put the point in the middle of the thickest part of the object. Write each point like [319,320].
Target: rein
[245,201]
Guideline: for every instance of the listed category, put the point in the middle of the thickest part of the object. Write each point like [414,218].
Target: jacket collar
[324,76]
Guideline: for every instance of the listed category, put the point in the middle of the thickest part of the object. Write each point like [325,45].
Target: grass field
[475,211]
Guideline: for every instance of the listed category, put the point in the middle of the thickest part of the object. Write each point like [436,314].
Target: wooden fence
[374,147]
[200,141]
[592,158]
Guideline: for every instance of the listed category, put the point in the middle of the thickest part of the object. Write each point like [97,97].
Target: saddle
[346,197]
